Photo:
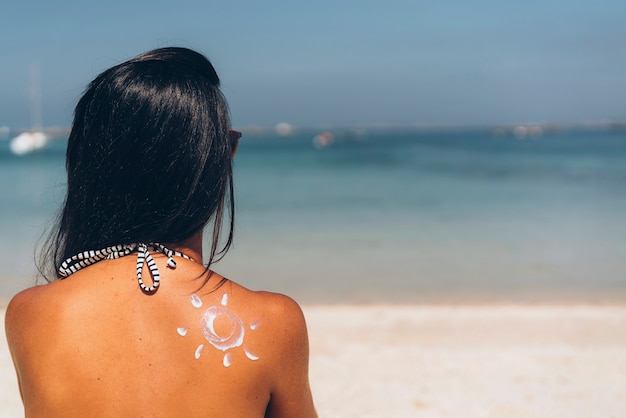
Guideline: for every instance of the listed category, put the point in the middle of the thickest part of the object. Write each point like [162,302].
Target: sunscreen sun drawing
[226,341]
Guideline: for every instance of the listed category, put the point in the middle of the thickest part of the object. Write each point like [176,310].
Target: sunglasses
[234,137]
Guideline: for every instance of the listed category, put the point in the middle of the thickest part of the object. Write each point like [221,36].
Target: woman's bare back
[94,344]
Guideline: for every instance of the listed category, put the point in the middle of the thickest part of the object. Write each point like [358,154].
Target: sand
[454,361]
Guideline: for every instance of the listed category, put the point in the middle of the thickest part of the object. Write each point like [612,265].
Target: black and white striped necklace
[87,258]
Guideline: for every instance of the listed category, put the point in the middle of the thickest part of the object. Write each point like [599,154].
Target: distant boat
[36,138]
[27,142]
[323,140]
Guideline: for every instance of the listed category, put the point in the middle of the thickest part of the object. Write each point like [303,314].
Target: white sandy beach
[454,361]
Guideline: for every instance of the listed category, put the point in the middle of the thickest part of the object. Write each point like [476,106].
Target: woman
[132,323]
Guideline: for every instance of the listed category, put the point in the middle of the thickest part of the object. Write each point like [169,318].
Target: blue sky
[342,62]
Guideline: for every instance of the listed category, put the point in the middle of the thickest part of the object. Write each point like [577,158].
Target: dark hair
[148,158]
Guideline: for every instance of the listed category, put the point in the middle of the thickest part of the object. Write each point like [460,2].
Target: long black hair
[148,159]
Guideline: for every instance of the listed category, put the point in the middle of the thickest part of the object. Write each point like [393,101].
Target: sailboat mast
[36,100]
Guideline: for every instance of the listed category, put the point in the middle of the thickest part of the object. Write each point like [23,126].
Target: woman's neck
[191,247]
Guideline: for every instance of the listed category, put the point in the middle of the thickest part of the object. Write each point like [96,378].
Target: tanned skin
[95,345]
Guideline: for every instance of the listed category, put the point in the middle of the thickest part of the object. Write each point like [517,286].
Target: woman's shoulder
[279,319]
[28,303]
[278,311]
[280,305]
[275,306]
[287,344]
[37,300]
[29,317]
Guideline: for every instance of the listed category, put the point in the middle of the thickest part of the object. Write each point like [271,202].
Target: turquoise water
[392,215]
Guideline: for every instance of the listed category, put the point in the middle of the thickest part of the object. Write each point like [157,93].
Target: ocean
[361,216]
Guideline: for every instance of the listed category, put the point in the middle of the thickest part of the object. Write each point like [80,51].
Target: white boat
[27,142]
[36,138]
